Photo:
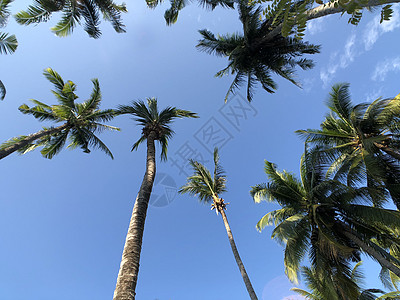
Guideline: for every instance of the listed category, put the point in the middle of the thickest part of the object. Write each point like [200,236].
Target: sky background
[63,221]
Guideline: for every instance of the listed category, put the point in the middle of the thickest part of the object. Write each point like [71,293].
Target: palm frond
[3,91]
[8,43]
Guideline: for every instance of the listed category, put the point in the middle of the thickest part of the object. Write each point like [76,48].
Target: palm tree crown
[202,184]
[154,122]
[252,57]
[80,121]
[72,13]
[362,141]
[324,218]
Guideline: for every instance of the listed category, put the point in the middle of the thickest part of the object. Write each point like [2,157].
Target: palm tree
[80,121]
[208,189]
[252,57]
[363,141]
[156,127]
[72,13]
[330,221]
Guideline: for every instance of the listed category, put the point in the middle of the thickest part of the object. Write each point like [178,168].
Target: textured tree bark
[129,268]
[31,138]
[328,9]
[239,262]
[371,251]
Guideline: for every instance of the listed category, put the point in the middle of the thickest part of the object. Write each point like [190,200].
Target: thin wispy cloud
[354,47]
[373,95]
[346,56]
[315,26]
[384,67]
[374,29]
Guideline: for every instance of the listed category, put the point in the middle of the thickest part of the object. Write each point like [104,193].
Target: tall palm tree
[208,189]
[80,121]
[363,141]
[330,221]
[252,57]
[155,127]
[73,11]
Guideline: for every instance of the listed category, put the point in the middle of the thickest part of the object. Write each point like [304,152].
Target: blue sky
[63,221]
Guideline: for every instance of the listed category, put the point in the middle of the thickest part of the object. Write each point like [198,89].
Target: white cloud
[349,52]
[375,29]
[373,95]
[339,60]
[384,67]
[315,26]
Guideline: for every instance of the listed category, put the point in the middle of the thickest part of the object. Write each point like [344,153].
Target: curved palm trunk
[29,139]
[129,268]
[329,9]
[239,262]
[371,251]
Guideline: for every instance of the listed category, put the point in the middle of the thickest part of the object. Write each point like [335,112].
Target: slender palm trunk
[239,262]
[129,268]
[371,251]
[31,138]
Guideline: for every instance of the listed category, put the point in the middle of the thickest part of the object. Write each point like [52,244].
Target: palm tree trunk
[328,9]
[239,262]
[371,251]
[29,139]
[129,268]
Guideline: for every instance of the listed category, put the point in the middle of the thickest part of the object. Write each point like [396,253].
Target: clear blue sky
[63,221]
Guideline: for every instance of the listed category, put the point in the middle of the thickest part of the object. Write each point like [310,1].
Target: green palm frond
[314,214]
[68,21]
[72,13]
[36,13]
[4,12]
[360,142]
[55,145]
[171,14]
[296,247]
[252,57]
[201,184]
[3,91]
[112,13]
[39,112]
[8,43]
